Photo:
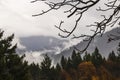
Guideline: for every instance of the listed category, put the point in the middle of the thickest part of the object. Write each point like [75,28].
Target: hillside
[100,42]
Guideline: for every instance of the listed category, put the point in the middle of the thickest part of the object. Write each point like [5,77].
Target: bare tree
[79,7]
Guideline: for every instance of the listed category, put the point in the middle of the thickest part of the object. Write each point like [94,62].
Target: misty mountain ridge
[50,45]
[100,42]
[38,43]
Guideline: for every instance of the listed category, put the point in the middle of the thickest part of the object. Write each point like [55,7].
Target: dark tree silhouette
[87,57]
[63,62]
[12,66]
[79,7]
[96,58]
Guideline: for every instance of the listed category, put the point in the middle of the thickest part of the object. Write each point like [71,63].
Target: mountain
[38,43]
[55,48]
[37,46]
[100,42]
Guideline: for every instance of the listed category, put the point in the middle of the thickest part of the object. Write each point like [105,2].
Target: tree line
[91,66]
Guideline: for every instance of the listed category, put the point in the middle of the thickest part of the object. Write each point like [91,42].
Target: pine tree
[58,68]
[35,71]
[75,59]
[87,57]
[6,50]
[96,58]
[12,66]
[112,56]
[46,63]
[118,52]
[63,62]
[47,72]
[58,72]
[69,64]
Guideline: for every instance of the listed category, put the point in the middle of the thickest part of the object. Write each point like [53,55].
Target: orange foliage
[95,78]
[104,74]
[65,75]
[86,70]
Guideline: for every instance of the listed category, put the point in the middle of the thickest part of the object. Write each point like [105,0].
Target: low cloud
[35,57]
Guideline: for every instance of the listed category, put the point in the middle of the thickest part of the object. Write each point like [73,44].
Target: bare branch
[79,7]
[76,8]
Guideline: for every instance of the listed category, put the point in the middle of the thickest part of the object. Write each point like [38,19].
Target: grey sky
[16,17]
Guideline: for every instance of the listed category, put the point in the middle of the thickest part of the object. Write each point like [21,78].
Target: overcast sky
[16,17]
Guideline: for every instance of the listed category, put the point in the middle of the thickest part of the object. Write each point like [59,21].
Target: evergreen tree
[58,72]
[58,68]
[63,62]
[75,59]
[69,64]
[46,63]
[118,58]
[35,71]
[12,66]
[47,72]
[6,50]
[96,58]
[45,68]
[112,56]
[17,68]
[118,52]
[87,57]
